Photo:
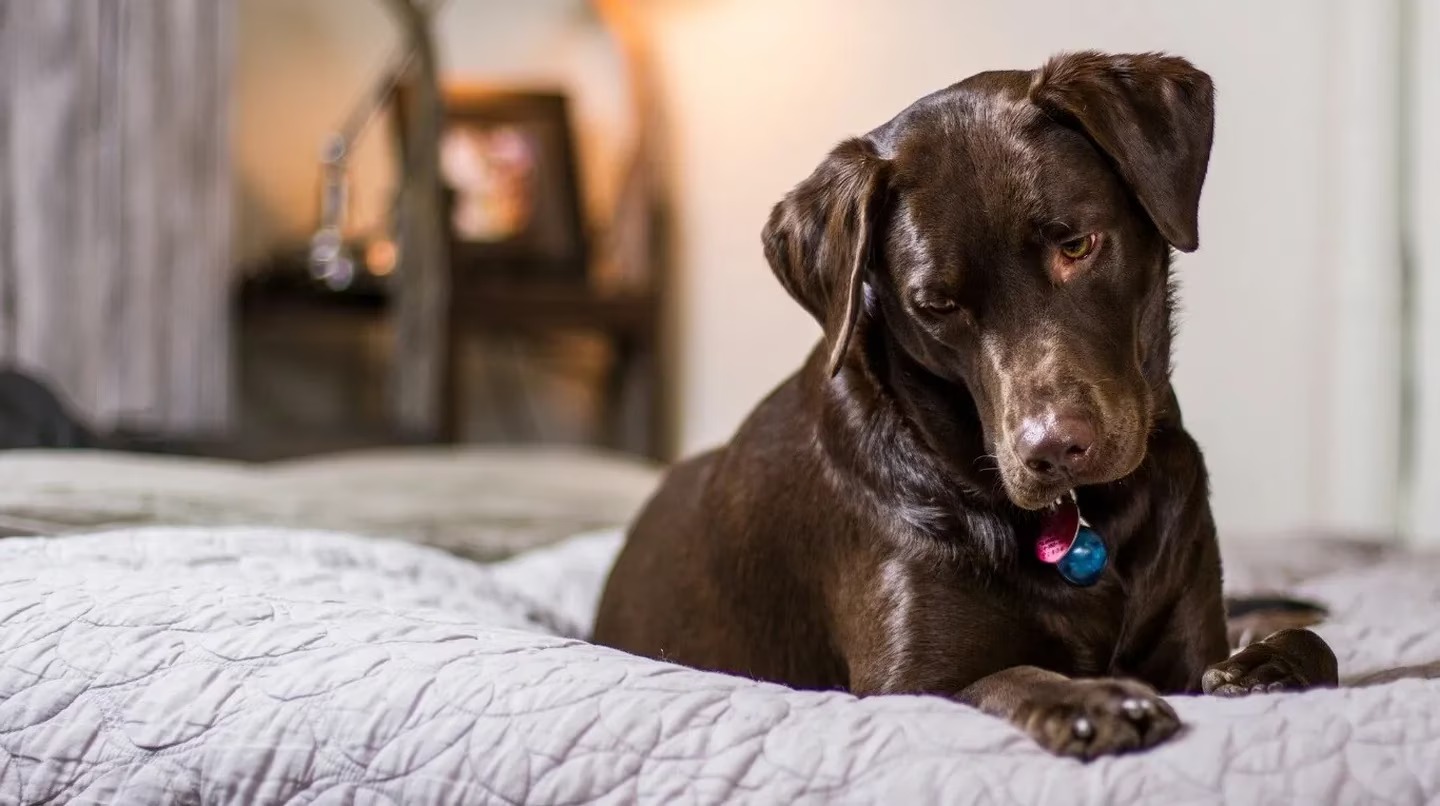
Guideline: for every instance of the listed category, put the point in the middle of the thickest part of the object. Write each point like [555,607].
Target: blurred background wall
[1420,106]
[1289,360]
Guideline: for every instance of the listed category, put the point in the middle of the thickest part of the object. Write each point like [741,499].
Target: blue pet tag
[1086,560]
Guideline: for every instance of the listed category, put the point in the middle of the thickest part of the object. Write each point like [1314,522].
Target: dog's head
[1011,234]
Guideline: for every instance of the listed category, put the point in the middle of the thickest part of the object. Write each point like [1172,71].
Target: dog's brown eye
[937,305]
[1079,248]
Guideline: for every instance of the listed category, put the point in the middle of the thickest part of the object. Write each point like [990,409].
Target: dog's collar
[1067,542]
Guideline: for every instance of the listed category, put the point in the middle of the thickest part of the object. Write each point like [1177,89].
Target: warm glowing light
[380,257]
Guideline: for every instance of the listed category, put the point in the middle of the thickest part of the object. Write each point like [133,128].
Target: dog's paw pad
[1090,718]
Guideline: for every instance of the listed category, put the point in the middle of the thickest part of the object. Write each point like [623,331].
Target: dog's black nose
[1055,443]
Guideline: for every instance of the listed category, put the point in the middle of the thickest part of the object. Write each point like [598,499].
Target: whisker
[993,468]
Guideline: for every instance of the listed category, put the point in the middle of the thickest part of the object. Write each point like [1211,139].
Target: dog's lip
[1067,497]
[1035,504]
[1032,500]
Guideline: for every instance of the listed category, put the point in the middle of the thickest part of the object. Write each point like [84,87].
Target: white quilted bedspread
[266,667]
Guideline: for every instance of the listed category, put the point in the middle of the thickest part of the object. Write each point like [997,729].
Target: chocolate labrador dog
[978,486]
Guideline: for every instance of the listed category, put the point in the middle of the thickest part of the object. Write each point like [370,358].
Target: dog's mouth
[1039,496]
[1059,525]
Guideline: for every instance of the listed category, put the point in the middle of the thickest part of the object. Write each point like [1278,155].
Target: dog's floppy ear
[1154,115]
[820,236]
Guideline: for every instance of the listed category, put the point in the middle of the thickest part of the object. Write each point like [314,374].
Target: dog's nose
[1049,445]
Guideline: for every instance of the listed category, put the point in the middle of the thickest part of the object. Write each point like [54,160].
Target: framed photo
[507,159]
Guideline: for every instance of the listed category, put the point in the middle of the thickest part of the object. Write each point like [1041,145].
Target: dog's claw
[1137,709]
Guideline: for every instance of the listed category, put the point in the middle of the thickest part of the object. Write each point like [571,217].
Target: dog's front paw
[1289,660]
[1089,718]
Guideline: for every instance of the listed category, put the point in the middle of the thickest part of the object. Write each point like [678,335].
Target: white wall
[1424,163]
[1278,319]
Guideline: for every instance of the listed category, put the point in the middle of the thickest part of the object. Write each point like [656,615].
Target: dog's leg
[981,666]
[1192,646]
[1079,718]
[1289,660]
[1249,619]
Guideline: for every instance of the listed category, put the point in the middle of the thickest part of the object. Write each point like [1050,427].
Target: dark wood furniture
[634,397]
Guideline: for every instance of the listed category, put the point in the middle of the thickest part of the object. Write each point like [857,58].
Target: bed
[480,502]
[282,663]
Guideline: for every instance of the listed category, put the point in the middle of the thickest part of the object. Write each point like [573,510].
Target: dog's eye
[1079,248]
[936,304]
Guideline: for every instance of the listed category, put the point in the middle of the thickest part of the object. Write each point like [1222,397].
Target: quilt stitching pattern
[260,666]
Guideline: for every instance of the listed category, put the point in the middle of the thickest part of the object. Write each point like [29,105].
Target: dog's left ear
[1154,115]
[819,239]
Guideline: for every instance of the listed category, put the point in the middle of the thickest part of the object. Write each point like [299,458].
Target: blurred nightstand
[633,397]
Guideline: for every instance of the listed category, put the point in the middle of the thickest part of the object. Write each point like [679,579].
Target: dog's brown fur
[871,526]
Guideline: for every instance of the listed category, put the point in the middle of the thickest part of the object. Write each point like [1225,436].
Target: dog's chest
[1081,629]
[1031,616]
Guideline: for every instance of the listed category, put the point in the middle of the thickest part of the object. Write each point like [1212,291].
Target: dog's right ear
[1154,115]
[819,239]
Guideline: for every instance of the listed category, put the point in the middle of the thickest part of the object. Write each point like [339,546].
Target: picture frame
[513,200]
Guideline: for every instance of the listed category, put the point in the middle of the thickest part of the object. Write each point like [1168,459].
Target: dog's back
[718,544]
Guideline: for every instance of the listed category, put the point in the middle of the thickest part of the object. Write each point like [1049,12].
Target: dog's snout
[1056,444]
